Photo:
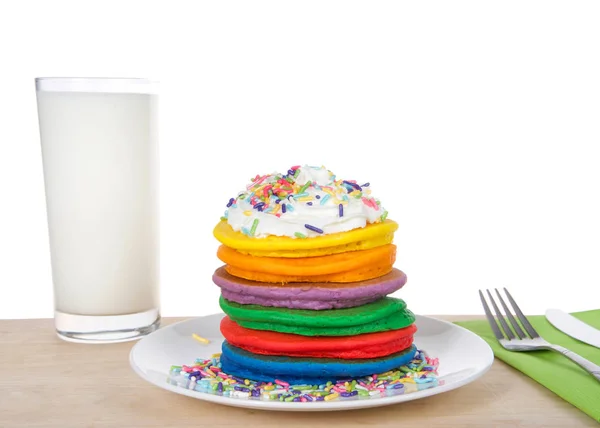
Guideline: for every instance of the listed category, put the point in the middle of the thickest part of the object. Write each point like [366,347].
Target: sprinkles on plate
[206,376]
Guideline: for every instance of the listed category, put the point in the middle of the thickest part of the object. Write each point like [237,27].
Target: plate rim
[314,406]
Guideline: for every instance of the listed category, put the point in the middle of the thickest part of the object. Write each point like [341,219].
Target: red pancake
[369,345]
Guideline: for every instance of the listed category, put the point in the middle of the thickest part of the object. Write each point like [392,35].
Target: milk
[100,164]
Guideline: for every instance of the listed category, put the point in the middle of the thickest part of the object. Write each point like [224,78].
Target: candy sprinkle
[254,225]
[356,186]
[313,228]
[299,235]
[206,376]
[303,188]
[200,339]
[341,210]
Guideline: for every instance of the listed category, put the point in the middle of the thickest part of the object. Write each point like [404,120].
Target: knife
[573,327]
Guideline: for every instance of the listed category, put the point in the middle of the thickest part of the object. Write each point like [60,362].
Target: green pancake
[384,314]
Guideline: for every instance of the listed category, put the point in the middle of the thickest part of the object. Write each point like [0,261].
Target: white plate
[463,356]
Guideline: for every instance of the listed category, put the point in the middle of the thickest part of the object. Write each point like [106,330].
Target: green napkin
[557,373]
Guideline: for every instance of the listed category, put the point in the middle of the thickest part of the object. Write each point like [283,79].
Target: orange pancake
[343,268]
[308,266]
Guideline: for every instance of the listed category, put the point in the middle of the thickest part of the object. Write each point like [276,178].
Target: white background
[476,122]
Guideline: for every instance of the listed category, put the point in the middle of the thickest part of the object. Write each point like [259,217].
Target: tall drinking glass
[99,151]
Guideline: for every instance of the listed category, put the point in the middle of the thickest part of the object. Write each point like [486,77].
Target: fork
[518,340]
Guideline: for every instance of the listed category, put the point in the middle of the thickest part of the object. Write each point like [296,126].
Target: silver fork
[531,341]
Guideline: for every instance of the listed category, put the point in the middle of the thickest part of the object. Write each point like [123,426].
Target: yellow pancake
[353,246]
[371,236]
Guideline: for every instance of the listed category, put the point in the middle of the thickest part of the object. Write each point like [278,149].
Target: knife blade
[573,327]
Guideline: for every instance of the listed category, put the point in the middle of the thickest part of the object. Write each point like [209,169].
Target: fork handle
[587,365]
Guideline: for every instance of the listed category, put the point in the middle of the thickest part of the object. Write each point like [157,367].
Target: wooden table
[46,382]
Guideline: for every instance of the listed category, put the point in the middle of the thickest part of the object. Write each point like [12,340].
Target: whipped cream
[305,202]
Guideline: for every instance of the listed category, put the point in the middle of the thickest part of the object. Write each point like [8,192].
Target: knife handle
[587,365]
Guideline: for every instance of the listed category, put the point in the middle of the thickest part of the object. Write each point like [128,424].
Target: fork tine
[522,317]
[501,319]
[490,318]
[510,317]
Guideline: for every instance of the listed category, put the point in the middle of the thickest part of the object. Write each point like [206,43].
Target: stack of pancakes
[308,303]
[312,310]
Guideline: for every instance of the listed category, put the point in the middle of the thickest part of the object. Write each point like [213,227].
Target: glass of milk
[100,160]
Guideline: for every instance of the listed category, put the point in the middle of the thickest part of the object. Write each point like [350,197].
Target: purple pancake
[303,295]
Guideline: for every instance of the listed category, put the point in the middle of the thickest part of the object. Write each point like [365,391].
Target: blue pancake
[313,371]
